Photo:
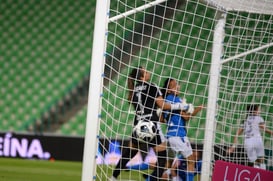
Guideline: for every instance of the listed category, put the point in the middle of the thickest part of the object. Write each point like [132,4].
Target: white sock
[262,166]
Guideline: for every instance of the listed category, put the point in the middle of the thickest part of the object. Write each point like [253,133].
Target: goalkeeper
[176,132]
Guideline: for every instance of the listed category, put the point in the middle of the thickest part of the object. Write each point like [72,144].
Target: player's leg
[260,154]
[178,145]
[159,146]
[174,169]
[159,167]
[170,158]
[250,152]
[190,168]
[126,154]
[187,153]
[260,163]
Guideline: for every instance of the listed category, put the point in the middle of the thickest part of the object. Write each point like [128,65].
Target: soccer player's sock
[143,166]
[262,166]
[189,176]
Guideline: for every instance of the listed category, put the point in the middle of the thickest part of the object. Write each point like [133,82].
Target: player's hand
[190,109]
[201,107]
[231,149]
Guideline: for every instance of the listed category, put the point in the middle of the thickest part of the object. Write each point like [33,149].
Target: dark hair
[136,74]
[165,87]
[252,108]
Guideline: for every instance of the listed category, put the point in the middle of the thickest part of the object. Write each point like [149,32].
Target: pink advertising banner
[226,171]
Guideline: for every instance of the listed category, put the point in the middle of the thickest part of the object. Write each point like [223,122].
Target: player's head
[137,74]
[253,109]
[171,86]
[145,75]
[140,73]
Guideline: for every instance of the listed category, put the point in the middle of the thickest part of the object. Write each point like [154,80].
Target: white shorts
[181,145]
[254,148]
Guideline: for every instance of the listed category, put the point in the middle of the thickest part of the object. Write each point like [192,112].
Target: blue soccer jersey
[176,124]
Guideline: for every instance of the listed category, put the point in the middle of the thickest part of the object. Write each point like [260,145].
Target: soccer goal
[220,51]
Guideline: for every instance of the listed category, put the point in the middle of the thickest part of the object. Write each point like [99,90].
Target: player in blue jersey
[176,132]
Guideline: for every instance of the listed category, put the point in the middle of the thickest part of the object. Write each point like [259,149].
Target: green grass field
[41,170]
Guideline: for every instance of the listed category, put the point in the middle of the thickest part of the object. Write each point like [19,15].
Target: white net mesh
[175,39]
[246,80]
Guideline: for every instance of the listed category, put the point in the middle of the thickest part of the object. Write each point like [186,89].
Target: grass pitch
[39,170]
[12,169]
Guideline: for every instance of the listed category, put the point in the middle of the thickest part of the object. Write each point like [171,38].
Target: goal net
[221,54]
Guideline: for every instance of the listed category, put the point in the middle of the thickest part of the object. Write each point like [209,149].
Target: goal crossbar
[252,6]
[135,10]
[247,52]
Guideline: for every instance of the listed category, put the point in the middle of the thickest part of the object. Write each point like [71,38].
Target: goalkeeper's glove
[180,106]
[190,110]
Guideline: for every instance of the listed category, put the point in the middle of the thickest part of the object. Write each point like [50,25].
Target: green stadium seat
[37,53]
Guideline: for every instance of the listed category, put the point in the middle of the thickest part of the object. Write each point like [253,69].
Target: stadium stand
[45,50]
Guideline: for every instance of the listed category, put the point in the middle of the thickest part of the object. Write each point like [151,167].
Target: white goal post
[221,51]
[95,91]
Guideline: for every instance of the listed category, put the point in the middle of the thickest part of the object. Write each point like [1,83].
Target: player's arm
[235,139]
[187,116]
[238,133]
[263,127]
[197,110]
[161,104]
[159,112]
